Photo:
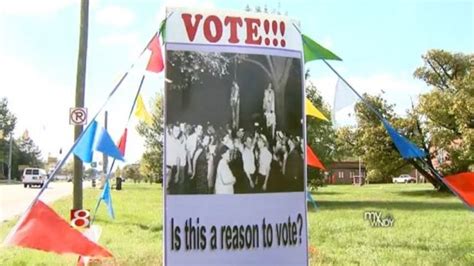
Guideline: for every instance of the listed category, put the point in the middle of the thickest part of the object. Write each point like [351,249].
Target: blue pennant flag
[83,149]
[106,145]
[311,200]
[406,148]
[107,198]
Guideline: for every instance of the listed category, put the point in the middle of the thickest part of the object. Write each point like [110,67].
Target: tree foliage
[320,135]
[448,109]
[132,172]
[7,125]
[441,123]
[30,154]
[193,64]
[24,153]
[7,119]
[152,159]
[372,143]
[187,68]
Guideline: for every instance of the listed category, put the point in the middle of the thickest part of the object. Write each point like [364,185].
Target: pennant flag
[463,185]
[343,97]
[123,142]
[314,51]
[43,229]
[83,149]
[312,159]
[311,200]
[162,30]
[141,112]
[92,233]
[155,63]
[313,111]
[406,148]
[107,198]
[105,144]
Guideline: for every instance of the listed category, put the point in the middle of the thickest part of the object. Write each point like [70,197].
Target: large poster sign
[234,140]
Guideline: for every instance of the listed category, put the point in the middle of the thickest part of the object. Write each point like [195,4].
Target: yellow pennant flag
[141,112]
[313,111]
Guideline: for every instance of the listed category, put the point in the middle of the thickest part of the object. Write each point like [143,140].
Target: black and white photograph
[234,123]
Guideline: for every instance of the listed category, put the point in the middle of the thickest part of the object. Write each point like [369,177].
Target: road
[14,199]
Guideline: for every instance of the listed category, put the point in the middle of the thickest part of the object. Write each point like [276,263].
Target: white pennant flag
[343,97]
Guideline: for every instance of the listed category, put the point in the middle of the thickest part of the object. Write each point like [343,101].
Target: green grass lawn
[430,228]
[134,237]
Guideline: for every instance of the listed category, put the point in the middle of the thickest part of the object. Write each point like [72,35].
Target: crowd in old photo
[204,159]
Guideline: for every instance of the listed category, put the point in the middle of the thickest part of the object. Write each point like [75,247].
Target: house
[344,172]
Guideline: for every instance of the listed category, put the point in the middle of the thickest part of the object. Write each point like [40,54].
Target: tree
[24,153]
[446,113]
[277,70]
[68,168]
[7,125]
[320,135]
[152,159]
[131,171]
[373,144]
[441,124]
[151,166]
[90,173]
[29,152]
[7,119]
[192,66]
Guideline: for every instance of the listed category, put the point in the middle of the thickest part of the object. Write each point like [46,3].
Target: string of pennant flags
[461,184]
[40,222]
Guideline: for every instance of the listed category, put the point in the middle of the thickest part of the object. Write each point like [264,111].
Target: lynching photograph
[234,123]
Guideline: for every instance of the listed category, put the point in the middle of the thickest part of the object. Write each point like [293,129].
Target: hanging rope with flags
[156,65]
[406,148]
[91,138]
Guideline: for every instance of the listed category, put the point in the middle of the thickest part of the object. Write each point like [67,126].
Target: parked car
[34,177]
[404,179]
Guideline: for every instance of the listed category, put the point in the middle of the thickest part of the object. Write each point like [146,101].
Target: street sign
[77,116]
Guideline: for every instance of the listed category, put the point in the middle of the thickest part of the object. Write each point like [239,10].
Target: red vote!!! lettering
[213,28]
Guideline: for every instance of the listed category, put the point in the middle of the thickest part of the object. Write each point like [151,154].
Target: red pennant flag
[155,63]
[312,159]
[123,142]
[43,229]
[463,185]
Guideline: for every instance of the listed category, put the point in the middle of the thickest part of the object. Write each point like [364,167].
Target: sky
[380,42]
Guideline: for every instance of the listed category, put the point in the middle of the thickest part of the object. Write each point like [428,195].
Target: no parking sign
[78,116]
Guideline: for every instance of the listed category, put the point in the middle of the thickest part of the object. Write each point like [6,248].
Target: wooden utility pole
[80,92]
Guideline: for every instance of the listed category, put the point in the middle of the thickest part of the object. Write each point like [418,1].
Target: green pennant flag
[162,30]
[314,51]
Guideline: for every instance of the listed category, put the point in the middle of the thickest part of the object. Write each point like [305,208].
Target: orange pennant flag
[45,230]
[463,185]
[312,159]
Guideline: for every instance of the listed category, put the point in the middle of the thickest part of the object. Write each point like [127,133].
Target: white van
[34,176]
